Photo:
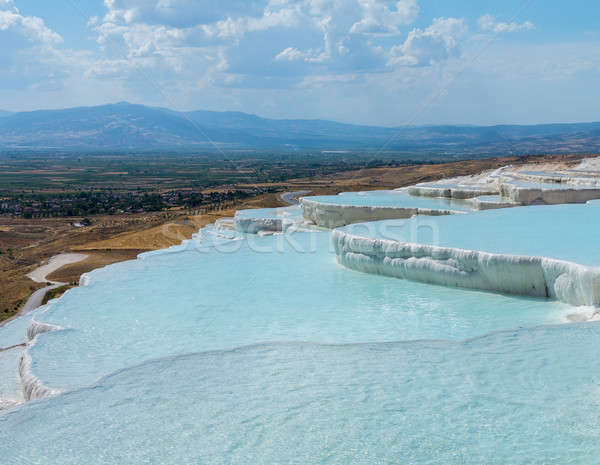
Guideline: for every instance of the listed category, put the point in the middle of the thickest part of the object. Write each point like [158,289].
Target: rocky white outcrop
[32,386]
[36,328]
[487,203]
[328,215]
[548,195]
[528,276]
[454,192]
[256,225]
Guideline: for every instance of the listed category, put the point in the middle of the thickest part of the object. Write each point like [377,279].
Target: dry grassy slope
[96,259]
[15,286]
[158,237]
[26,243]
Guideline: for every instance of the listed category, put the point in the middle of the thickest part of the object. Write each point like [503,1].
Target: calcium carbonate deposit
[269,338]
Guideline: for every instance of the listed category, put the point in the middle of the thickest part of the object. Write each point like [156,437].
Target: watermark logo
[226,236]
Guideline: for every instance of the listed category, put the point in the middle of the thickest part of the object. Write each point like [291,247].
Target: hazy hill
[124,126]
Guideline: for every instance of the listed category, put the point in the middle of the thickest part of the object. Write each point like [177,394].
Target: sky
[375,62]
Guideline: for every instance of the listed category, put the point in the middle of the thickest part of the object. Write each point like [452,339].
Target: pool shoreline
[532,276]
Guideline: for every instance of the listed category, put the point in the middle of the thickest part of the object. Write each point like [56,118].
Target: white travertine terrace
[267,220]
[542,277]
[33,388]
[547,195]
[502,188]
[512,274]
[492,202]
[565,281]
[451,192]
[257,225]
[332,216]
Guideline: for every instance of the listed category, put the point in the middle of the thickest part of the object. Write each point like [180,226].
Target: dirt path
[58,261]
[39,276]
[290,197]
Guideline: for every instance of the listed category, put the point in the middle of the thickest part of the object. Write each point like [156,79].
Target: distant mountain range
[124,126]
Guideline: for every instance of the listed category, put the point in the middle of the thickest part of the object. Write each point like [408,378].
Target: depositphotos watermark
[274,235]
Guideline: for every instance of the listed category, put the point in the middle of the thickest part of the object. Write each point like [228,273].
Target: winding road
[290,197]
[39,276]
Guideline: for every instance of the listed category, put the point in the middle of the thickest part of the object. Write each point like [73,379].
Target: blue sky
[383,62]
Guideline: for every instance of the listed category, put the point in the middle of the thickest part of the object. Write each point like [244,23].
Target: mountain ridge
[125,126]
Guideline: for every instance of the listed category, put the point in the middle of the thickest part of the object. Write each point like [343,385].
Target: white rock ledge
[483,204]
[32,386]
[256,225]
[565,281]
[329,215]
[462,193]
[547,195]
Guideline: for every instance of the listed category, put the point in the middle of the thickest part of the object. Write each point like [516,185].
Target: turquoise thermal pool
[565,232]
[241,348]
[519,397]
[392,198]
[261,289]
[292,212]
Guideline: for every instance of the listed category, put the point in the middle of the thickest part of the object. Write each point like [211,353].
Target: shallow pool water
[262,289]
[15,331]
[445,185]
[392,199]
[12,337]
[293,212]
[549,174]
[235,348]
[566,232]
[518,397]
[10,386]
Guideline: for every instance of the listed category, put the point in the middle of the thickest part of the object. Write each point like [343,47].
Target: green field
[55,185]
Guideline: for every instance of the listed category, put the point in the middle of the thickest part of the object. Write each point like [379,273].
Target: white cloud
[7,5]
[180,13]
[31,27]
[332,33]
[236,28]
[198,50]
[186,47]
[290,54]
[380,18]
[432,45]
[139,39]
[488,23]
[28,53]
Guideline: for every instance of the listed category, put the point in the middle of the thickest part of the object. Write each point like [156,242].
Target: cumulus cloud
[381,18]
[488,23]
[243,44]
[31,27]
[29,53]
[139,39]
[181,13]
[258,36]
[236,28]
[290,54]
[432,45]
